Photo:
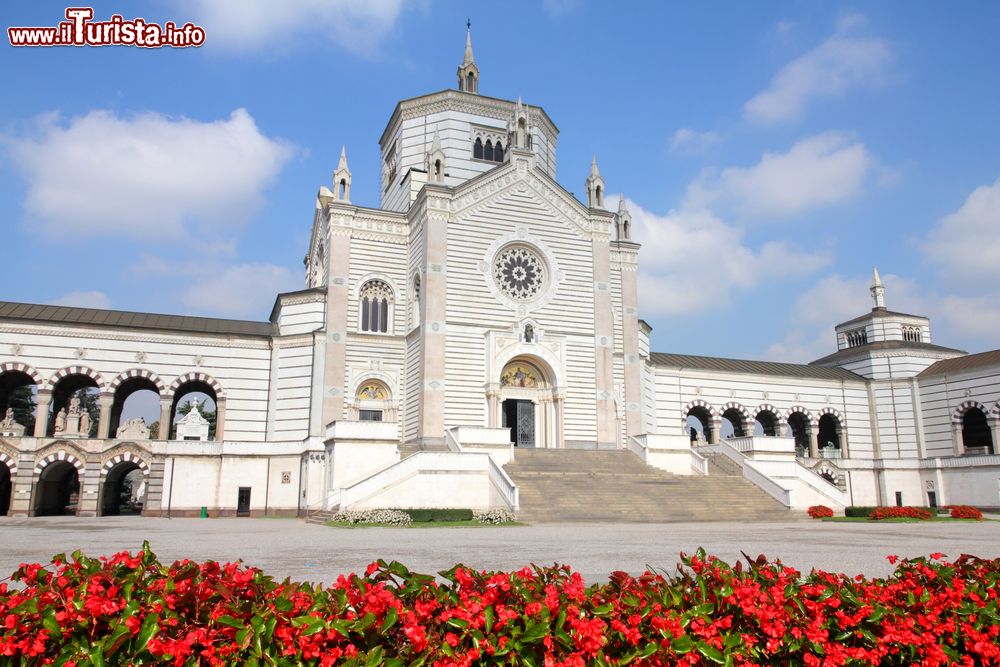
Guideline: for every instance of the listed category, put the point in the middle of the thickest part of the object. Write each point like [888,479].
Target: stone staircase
[562,485]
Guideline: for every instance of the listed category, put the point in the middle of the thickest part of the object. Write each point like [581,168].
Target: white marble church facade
[481,308]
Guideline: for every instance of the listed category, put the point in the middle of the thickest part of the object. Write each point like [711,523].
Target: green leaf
[706,609]
[533,632]
[682,644]
[710,652]
[375,657]
[231,622]
[150,626]
[390,619]
[50,623]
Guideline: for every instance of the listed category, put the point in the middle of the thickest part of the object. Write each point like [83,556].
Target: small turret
[595,186]
[434,161]
[623,221]
[342,179]
[878,290]
[468,72]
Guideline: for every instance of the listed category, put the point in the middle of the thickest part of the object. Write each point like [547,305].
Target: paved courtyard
[287,547]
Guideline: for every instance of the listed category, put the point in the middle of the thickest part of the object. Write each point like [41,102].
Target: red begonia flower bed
[881,513]
[965,512]
[131,610]
[820,512]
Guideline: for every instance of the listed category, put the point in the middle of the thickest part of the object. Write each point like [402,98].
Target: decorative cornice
[186,338]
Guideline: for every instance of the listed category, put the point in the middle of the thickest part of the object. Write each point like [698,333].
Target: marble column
[44,402]
[165,405]
[813,442]
[105,400]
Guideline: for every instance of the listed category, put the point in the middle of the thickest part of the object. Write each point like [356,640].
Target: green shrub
[428,515]
[858,511]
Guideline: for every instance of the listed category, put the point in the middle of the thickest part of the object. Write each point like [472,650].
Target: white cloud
[965,245]
[84,299]
[843,62]
[148,176]
[357,26]
[821,170]
[694,261]
[242,290]
[688,141]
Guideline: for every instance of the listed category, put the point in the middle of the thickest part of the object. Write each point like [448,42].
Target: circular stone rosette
[520,273]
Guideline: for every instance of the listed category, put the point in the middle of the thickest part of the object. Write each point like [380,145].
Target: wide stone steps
[588,485]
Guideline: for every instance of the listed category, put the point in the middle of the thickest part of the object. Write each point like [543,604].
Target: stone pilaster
[604,339]
[337,299]
[630,337]
[220,419]
[434,307]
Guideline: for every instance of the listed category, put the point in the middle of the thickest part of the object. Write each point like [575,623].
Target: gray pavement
[288,547]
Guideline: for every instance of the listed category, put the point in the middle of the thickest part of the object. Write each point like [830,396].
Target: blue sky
[771,152]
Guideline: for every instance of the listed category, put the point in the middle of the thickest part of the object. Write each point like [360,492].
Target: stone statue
[529,333]
[85,424]
[61,420]
[133,429]
[10,426]
[74,405]
[8,419]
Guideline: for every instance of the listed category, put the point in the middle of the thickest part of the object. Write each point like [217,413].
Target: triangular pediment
[520,176]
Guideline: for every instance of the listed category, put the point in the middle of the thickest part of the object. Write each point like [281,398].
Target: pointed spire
[436,142]
[595,186]
[342,178]
[469,58]
[622,208]
[594,171]
[878,290]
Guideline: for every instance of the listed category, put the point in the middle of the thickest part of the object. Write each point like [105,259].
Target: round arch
[64,373]
[124,386]
[57,478]
[8,470]
[766,417]
[527,400]
[198,382]
[706,415]
[738,416]
[124,480]
[373,399]
[17,366]
[19,384]
[973,432]
[153,378]
[802,426]
[197,377]
[64,384]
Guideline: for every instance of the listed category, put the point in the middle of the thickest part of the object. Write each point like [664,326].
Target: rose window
[519,272]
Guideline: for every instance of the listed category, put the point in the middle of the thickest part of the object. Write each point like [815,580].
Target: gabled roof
[745,366]
[851,352]
[43,314]
[963,363]
[878,313]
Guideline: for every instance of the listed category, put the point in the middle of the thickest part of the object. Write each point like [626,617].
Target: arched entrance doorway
[700,425]
[799,425]
[528,405]
[5,488]
[829,436]
[124,490]
[57,492]
[976,436]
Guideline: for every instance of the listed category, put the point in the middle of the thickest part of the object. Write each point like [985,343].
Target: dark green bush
[858,511]
[426,515]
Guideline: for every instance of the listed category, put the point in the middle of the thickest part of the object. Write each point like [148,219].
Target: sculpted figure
[61,420]
[74,405]
[85,424]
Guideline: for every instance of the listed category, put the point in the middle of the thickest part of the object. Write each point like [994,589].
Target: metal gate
[525,424]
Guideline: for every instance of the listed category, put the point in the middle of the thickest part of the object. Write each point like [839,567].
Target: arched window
[600,196]
[375,306]
[437,168]
[415,301]
[498,152]
[488,151]
[470,86]
[477,149]
[912,334]
[857,337]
